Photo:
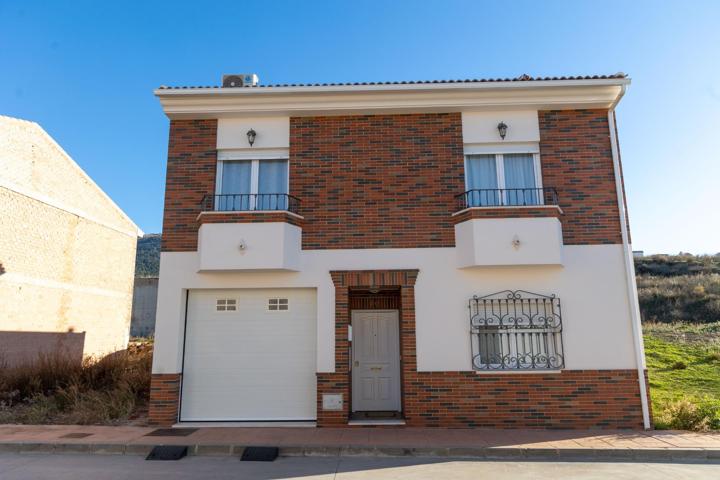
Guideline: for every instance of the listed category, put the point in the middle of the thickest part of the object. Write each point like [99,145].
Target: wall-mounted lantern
[251,134]
[502,129]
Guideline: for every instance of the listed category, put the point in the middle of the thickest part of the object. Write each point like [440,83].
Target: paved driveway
[106,467]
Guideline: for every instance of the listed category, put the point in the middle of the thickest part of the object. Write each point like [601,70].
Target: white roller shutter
[247,358]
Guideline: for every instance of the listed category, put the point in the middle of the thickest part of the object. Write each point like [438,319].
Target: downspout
[633,304]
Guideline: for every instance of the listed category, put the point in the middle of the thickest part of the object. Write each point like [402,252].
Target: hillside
[147,258]
[679,288]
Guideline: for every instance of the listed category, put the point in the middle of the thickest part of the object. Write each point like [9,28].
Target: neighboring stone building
[67,252]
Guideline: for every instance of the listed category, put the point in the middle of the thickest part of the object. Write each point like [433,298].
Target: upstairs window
[503,179]
[252,185]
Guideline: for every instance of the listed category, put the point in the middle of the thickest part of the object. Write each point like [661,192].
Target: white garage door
[249,355]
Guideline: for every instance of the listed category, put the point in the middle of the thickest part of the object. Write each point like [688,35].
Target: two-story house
[434,253]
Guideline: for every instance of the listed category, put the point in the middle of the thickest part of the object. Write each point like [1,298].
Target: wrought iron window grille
[516,330]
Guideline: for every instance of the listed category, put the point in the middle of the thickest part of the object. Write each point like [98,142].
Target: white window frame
[255,160]
[500,168]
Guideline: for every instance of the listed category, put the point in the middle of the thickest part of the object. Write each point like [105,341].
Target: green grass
[684,370]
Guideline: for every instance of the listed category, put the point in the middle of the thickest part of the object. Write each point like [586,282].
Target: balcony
[514,226]
[251,202]
[246,232]
[507,197]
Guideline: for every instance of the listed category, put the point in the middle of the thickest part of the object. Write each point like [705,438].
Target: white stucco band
[596,324]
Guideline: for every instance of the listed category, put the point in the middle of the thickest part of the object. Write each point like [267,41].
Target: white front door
[376,361]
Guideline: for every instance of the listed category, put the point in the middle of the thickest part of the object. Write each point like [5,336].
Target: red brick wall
[571,399]
[164,399]
[191,165]
[377,181]
[577,161]
[374,181]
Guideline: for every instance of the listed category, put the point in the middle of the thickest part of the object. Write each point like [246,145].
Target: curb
[488,453]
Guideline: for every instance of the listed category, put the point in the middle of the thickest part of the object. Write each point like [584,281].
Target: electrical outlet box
[332,402]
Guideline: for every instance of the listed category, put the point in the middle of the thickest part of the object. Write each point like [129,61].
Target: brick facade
[164,399]
[191,167]
[577,160]
[389,181]
[377,181]
[569,399]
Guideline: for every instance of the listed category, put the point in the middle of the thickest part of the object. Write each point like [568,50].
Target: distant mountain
[147,259]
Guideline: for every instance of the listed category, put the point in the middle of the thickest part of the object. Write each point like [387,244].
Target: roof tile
[522,78]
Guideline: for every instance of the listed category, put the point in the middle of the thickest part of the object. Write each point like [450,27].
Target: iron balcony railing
[249,202]
[507,197]
[516,330]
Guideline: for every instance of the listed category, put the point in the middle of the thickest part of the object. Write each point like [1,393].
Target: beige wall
[68,253]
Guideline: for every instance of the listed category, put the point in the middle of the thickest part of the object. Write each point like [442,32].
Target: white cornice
[358,99]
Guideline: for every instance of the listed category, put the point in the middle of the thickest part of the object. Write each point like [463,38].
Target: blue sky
[86,70]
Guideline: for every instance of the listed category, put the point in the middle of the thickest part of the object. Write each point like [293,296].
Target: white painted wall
[597,329]
[481,127]
[268,246]
[272,132]
[489,242]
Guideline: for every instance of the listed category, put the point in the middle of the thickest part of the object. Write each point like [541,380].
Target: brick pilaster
[164,399]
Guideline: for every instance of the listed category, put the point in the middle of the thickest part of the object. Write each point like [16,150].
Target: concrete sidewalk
[660,445]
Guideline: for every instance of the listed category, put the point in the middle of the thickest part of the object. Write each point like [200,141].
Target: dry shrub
[56,389]
[688,414]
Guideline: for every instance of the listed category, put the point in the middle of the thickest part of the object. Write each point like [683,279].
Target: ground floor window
[516,330]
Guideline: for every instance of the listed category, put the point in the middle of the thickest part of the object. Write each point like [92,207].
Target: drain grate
[171,432]
[259,454]
[167,452]
[76,435]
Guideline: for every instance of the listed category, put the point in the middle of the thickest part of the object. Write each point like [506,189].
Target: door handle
[375,369]
[356,364]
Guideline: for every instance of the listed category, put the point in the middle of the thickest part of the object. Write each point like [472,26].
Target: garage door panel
[252,363]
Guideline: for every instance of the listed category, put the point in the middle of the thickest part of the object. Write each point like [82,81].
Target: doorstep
[660,446]
[369,422]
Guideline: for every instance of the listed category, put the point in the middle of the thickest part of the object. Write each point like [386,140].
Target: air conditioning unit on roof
[240,80]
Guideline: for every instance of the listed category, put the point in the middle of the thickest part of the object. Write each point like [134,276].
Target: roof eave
[490,85]
[361,99]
